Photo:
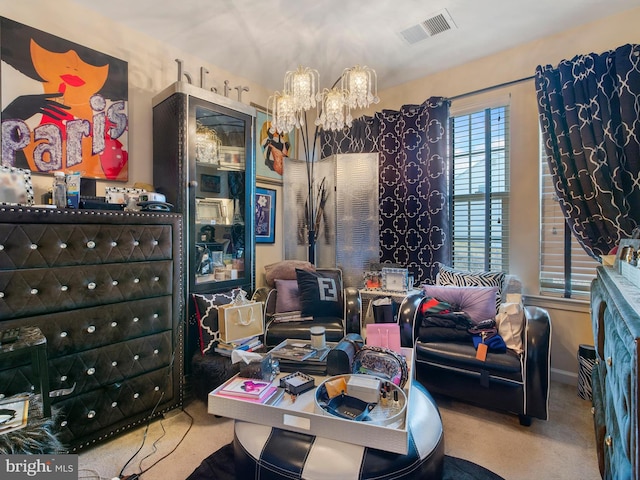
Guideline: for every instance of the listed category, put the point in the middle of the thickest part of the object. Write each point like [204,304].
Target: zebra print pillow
[460,278]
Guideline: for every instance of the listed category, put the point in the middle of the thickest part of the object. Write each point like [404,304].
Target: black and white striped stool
[271,453]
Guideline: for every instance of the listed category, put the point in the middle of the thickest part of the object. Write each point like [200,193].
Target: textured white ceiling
[260,40]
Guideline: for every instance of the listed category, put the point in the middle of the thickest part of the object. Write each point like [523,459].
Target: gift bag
[385,335]
[240,319]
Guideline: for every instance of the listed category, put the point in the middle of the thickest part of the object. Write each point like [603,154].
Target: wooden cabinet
[105,288]
[615,313]
[203,162]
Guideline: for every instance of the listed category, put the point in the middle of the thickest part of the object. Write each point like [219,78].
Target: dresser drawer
[30,292]
[41,245]
[105,411]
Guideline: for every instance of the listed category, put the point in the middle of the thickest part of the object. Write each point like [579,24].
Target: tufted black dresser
[615,314]
[106,289]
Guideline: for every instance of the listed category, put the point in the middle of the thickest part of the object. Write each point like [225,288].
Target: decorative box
[364,387]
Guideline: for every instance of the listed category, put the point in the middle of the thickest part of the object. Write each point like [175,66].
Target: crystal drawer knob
[114,283]
[91,286]
[156,279]
[608,441]
[156,351]
[136,280]
[64,288]
[91,414]
[135,319]
[114,404]
[91,329]
[114,364]
[63,378]
[157,388]
[136,395]
[136,243]
[91,244]
[136,357]
[114,324]
[63,334]
[155,242]
[155,315]
[609,361]
[91,371]
[114,244]
[34,291]
[33,246]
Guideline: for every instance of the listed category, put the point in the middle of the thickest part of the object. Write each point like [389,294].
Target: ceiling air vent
[436,23]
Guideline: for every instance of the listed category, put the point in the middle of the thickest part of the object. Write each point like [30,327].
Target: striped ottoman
[271,453]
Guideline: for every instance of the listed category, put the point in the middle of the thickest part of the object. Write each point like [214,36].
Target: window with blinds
[480,189]
[565,268]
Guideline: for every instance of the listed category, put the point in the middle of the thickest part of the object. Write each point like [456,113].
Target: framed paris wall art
[64,106]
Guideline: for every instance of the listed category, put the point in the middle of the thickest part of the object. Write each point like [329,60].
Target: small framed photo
[373,280]
[265,215]
[210,183]
[395,279]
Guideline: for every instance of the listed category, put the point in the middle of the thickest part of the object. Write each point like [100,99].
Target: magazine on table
[294,350]
[14,413]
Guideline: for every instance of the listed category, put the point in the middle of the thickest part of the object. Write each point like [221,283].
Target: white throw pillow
[510,322]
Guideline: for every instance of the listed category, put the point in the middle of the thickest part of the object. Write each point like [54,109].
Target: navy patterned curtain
[414,213]
[589,111]
[413,183]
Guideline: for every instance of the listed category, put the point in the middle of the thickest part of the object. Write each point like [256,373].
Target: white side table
[369,295]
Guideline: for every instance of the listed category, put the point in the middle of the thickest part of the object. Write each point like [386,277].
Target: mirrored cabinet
[203,163]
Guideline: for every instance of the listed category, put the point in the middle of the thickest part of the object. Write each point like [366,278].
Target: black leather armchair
[336,328]
[507,381]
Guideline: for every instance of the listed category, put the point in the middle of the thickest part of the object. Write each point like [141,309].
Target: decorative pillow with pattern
[477,302]
[206,308]
[320,294]
[460,278]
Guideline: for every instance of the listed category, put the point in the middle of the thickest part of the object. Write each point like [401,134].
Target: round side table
[266,452]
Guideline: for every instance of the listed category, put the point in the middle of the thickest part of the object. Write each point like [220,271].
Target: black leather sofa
[505,381]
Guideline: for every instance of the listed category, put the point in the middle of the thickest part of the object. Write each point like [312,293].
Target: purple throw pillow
[477,302]
[288,298]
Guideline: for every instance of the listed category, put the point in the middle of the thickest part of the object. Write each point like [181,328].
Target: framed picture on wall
[265,215]
[70,119]
[271,149]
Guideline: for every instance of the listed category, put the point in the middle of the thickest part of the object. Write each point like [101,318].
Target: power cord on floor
[136,476]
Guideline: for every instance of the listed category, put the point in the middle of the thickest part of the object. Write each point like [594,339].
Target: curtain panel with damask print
[413,182]
[589,111]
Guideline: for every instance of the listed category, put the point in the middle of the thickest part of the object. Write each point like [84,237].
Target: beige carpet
[561,448]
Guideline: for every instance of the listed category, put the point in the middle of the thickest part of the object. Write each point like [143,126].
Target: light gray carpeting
[563,447]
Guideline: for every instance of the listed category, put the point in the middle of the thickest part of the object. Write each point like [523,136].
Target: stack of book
[293,316]
[249,344]
[299,355]
[250,389]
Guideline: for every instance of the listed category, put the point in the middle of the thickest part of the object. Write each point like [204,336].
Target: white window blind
[565,268]
[480,189]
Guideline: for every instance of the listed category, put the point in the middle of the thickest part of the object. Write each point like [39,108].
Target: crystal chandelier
[207,144]
[357,87]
